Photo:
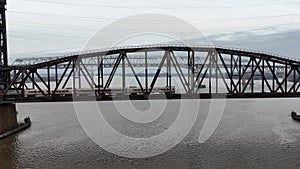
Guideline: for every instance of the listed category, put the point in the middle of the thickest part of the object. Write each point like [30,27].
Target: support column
[8,113]
[3,35]
[8,117]
[4,75]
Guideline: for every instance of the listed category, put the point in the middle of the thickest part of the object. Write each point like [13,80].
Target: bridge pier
[8,117]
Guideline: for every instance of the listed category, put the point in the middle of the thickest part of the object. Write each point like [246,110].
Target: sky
[48,27]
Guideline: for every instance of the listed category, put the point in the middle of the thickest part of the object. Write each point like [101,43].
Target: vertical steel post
[217,74]
[285,77]
[169,71]
[79,76]
[210,67]
[294,80]
[74,77]
[102,73]
[49,90]
[193,72]
[123,74]
[98,72]
[56,74]
[146,72]
[252,76]
[263,76]
[231,73]
[189,69]
[275,73]
[33,86]
[23,85]
[240,74]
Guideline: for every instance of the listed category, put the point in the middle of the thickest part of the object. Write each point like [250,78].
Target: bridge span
[180,71]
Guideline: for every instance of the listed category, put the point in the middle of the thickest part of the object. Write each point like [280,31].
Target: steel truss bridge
[225,72]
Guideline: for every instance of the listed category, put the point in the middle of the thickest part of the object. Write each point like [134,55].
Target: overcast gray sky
[45,26]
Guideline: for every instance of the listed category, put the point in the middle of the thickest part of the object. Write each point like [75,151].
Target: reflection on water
[8,154]
[252,134]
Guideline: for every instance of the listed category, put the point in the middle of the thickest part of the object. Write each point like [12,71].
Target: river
[253,133]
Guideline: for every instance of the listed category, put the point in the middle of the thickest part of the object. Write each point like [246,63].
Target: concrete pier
[8,117]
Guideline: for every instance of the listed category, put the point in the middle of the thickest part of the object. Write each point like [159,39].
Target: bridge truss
[197,72]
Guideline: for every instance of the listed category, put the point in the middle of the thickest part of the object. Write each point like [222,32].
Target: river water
[253,133]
